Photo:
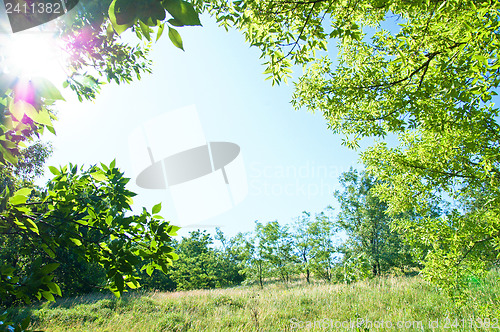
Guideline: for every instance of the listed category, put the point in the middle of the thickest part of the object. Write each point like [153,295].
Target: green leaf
[129,200]
[173,255]
[21,108]
[172,230]
[175,37]
[116,293]
[152,13]
[32,226]
[54,170]
[133,284]
[182,11]
[51,129]
[146,31]
[125,11]
[175,23]
[20,196]
[48,296]
[156,208]
[48,251]
[99,176]
[119,283]
[42,117]
[149,270]
[76,241]
[119,28]
[24,191]
[161,28]
[54,288]
[8,156]
[45,89]
[49,268]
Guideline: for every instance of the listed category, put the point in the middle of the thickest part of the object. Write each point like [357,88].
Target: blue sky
[292,160]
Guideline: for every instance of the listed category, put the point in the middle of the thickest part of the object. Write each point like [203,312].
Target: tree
[363,217]
[83,212]
[202,266]
[255,267]
[314,243]
[74,275]
[232,256]
[425,72]
[275,243]
[86,212]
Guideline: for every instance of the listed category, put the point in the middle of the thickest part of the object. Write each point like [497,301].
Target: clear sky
[291,159]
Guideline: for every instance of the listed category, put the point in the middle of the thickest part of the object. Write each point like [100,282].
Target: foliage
[363,217]
[254,266]
[82,217]
[275,245]
[201,266]
[232,257]
[314,245]
[423,71]
[90,34]
[85,212]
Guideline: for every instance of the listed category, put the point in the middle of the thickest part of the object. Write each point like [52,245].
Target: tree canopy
[82,212]
[421,72]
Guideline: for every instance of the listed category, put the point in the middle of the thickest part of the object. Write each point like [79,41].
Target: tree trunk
[304,257]
[260,275]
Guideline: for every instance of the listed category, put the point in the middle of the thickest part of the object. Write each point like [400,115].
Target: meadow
[379,304]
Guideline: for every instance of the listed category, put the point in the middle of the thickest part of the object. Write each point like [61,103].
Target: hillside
[382,301]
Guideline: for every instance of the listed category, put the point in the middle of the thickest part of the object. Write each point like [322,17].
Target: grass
[277,307]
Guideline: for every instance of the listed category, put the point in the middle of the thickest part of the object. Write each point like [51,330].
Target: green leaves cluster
[25,112]
[422,72]
[87,211]
[374,245]
[145,14]
[200,265]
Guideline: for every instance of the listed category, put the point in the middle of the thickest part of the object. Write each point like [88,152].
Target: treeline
[356,242]
[353,243]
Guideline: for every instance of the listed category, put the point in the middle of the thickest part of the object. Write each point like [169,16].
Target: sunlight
[32,54]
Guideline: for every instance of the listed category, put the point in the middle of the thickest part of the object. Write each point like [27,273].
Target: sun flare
[32,54]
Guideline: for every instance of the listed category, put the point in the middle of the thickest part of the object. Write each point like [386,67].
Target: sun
[32,54]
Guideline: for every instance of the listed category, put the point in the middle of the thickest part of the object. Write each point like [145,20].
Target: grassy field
[385,304]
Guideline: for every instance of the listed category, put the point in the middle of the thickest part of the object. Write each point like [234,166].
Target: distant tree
[275,245]
[202,266]
[314,244]
[28,168]
[255,267]
[363,217]
[232,257]
[156,280]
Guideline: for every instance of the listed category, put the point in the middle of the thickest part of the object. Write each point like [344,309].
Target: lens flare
[32,54]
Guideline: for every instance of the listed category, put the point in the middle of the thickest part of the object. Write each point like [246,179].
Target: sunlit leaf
[175,37]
